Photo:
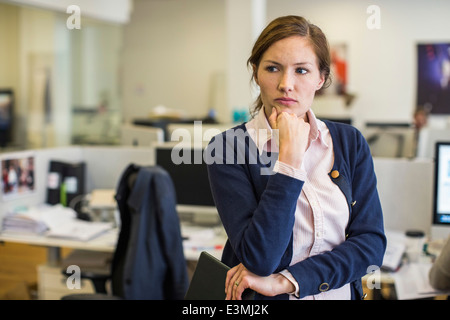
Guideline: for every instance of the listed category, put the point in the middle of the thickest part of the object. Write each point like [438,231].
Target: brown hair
[284,27]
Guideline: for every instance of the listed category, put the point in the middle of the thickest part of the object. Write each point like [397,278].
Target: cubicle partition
[405,188]
[104,165]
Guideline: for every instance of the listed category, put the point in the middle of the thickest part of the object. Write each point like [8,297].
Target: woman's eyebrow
[296,64]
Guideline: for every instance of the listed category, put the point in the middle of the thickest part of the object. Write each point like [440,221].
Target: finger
[230,275]
[273,118]
[242,284]
[237,290]
[234,276]
[240,290]
[235,280]
[233,291]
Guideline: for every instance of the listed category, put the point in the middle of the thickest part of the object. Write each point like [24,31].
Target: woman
[439,274]
[312,227]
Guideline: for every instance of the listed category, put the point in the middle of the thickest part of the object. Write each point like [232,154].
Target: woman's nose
[286,83]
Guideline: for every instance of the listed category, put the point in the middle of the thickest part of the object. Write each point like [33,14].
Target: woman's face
[288,76]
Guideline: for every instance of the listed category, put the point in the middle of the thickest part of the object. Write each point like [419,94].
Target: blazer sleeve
[259,226]
[365,240]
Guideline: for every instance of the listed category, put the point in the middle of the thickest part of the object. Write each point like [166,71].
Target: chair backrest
[149,261]
[124,188]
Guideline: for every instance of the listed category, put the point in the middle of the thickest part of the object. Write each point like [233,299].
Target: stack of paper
[23,223]
[53,221]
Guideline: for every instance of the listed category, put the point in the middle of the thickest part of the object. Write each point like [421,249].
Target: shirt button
[324,287]
[334,174]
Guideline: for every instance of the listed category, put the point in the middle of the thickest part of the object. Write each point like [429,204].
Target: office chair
[148,263]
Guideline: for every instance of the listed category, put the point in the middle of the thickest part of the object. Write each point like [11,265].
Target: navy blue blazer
[257,211]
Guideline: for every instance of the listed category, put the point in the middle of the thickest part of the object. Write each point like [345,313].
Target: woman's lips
[286,101]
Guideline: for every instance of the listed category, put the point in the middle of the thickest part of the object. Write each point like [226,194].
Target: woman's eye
[271,68]
[301,71]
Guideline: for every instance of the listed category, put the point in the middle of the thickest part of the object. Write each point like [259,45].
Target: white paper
[411,282]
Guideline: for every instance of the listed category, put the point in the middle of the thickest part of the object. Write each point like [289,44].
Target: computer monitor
[441,198]
[190,178]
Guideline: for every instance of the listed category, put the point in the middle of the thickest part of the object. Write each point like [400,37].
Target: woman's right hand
[293,135]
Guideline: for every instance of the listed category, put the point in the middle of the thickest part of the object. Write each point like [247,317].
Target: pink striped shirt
[321,215]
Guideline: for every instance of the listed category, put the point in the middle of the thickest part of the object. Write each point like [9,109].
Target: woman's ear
[255,73]
[321,82]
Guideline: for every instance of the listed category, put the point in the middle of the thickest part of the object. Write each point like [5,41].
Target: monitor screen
[441,212]
[190,178]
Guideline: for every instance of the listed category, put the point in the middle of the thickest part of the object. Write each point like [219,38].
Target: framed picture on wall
[433,83]
[339,70]
[18,175]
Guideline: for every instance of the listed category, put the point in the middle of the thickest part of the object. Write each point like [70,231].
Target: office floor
[18,270]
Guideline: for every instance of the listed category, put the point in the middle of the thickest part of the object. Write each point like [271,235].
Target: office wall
[9,46]
[43,57]
[174,55]
[114,11]
[9,50]
[166,39]
[382,62]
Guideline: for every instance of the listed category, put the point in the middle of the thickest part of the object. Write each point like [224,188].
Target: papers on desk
[53,221]
[79,230]
[395,249]
[411,282]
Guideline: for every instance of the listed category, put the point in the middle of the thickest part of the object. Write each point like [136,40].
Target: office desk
[51,285]
[105,242]
[212,242]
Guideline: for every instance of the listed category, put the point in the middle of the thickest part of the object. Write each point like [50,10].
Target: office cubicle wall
[391,141]
[406,190]
[142,136]
[104,165]
[197,131]
[427,141]
[405,186]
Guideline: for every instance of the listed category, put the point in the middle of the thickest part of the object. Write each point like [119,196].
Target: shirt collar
[262,133]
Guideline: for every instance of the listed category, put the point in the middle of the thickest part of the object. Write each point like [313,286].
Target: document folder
[208,280]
